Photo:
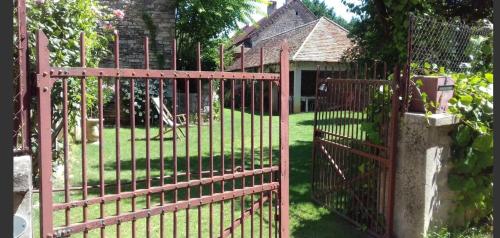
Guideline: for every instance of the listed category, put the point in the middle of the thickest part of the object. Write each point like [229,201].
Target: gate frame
[397,106]
[44,83]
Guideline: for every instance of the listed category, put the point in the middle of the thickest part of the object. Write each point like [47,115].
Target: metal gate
[354,143]
[224,177]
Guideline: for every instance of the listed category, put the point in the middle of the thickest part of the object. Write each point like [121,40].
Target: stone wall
[293,16]
[133,28]
[422,197]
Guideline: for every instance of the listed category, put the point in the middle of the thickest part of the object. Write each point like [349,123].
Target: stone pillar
[422,197]
[22,197]
[297,86]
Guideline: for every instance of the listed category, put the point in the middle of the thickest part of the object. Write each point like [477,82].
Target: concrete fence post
[22,197]
[422,197]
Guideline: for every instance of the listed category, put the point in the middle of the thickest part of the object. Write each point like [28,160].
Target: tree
[208,22]
[320,9]
[469,11]
[381,29]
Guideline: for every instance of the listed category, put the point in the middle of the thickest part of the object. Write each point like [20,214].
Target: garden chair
[168,119]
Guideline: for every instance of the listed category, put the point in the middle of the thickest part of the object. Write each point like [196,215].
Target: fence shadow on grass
[308,218]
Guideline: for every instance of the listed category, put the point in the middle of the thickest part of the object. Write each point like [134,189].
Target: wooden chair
[168,119]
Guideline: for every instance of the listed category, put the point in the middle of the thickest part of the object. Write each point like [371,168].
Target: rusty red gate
[354,143]
[228,178]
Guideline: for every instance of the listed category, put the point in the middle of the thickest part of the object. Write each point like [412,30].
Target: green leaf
[483,143]
[475,80]
[463,136]
[455,182]
[361,168]
[419,83]
[466,99]
[489,77]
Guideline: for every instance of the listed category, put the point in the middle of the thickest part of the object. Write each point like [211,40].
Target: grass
[472,232]
[306,218]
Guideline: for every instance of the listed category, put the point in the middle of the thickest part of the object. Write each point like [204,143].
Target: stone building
[293,14]
[313,42]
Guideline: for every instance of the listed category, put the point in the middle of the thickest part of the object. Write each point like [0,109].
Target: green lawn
[306,218]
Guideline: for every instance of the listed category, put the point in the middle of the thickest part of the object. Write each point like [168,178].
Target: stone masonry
[132,30]
[293,15]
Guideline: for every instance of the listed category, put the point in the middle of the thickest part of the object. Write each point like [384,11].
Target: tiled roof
[318,41]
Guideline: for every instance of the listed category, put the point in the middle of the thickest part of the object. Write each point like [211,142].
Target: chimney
[271,8]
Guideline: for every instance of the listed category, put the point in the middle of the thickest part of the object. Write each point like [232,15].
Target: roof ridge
[306,39]
[281,33]
[332,21]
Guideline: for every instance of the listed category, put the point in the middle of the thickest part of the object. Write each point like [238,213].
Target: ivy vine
[152,28]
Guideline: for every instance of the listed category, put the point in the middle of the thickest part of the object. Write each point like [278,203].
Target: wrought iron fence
[218,183]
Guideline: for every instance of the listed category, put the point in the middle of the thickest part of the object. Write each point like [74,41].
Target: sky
[338,6]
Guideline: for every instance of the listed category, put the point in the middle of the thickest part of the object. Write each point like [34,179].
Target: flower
[107,26]
[119,14]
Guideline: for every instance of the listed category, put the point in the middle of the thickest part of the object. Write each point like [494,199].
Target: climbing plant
[63,21]
[472,150]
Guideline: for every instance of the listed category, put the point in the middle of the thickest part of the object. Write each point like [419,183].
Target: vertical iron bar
[101,149]
[261,141]
[67,195]
[342,152]
[174,133]
[243,185]
[271,177]
[233,164]
[44,86]
[148,138]
[117,126]
[392,149]
[252,153]
[84,128]
[162,160]
[316,110]
[211,144]
[132,150]
[24,102]
[188,159]
[221,55]
[200,166]
[284,170]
